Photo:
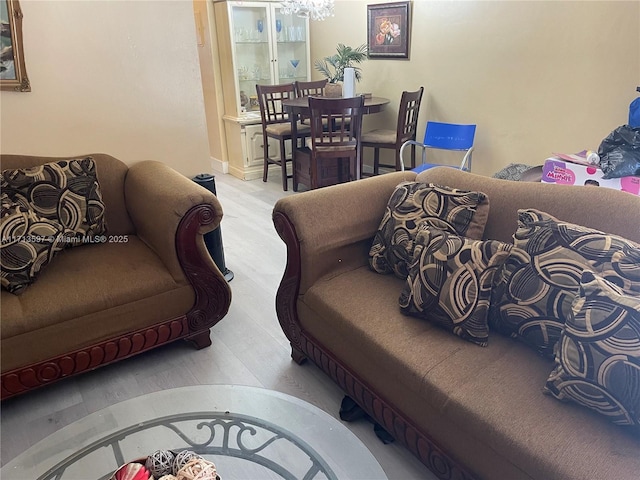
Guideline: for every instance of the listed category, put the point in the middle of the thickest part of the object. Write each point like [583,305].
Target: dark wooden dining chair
[394,139]
[277,125]
[334,155]
[307,89]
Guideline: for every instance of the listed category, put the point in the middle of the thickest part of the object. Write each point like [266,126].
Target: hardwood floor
[248,347]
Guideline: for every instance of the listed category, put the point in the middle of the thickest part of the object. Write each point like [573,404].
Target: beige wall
[123,77]
[211,82]
[120,77]
[536,76]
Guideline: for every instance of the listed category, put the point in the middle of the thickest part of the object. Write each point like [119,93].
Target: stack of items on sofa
[575,169]
[491,293]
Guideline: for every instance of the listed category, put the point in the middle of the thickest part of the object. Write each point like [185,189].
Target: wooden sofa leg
[200,340]
[298,356]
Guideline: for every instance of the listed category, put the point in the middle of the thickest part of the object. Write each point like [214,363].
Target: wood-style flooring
[248,347]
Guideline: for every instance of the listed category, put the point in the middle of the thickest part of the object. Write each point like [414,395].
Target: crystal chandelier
[314,9]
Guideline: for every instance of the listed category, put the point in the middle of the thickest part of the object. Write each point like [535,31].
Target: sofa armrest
[330,230]
[158,199]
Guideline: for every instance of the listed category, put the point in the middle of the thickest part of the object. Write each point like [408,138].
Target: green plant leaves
[333,66]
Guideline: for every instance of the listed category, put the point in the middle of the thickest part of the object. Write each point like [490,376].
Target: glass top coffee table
[248,432]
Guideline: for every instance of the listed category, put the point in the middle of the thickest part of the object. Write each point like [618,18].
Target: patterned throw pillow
[626,265]
[411,204]
[66,191]
[450,282]
[598,356]
[29,242]
[534,289]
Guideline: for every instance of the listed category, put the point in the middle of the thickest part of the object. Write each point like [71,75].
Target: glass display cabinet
[268,47]
[257,45]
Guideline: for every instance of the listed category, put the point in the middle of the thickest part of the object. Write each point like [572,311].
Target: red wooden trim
[392,419]
[213,295]
[289,288]
[213,298]
[48,371]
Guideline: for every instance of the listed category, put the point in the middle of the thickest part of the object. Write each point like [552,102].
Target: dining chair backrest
[270,99]
[449,136]
[408,116]
[307,89]
[346,116]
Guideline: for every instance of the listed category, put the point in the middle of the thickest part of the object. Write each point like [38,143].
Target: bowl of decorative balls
[168,465]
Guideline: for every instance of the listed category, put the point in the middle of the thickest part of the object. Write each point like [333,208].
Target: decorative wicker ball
[160,463]
[167,477]
[198,469]
[182,458]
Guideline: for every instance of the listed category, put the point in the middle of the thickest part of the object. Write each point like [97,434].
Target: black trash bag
[620,153]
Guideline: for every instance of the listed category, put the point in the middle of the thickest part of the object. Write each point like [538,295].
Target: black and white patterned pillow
[534,289]
[412,204]
[626,267]
[28,244]
[66,191]
[450,280]
[598,355]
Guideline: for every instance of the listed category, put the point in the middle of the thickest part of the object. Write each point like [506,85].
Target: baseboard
[219,166]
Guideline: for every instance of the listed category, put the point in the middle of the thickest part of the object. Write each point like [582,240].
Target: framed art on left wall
[13,73]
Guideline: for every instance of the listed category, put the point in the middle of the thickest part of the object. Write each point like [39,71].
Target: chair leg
[265,148]
[294,176]
[376,161]
[314,172]
[283,165]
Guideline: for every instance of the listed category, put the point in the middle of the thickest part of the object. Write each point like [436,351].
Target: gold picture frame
[13,73]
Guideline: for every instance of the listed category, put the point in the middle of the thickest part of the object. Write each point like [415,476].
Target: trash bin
[213,240]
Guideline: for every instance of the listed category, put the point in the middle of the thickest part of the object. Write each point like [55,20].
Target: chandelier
[314,9]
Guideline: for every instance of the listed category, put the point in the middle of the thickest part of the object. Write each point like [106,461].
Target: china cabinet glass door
[252,51]
[291,47]
[268,48]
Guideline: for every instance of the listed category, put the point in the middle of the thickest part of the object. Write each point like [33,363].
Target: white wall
[120,77]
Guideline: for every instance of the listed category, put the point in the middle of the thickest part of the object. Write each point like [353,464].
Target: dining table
[299,106]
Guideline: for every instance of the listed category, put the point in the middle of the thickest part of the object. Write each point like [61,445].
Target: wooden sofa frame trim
[304,346]
[211,305]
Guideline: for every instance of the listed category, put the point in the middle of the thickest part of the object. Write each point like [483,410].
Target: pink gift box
[567,173]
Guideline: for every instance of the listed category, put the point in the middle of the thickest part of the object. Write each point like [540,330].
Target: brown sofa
[152,282]
[463,410]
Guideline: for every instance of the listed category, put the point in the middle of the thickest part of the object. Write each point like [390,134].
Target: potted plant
[332,67]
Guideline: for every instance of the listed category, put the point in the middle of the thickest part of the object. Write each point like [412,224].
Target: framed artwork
[388,30]
[13,74]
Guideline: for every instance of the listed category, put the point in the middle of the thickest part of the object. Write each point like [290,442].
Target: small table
[300,106]
[247,432]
